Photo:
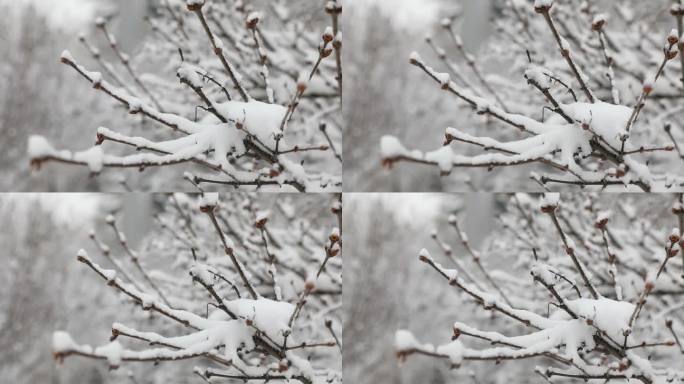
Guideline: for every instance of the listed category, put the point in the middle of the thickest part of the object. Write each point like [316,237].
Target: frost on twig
[250,295]
[605,86]
[592,289]
[242,92]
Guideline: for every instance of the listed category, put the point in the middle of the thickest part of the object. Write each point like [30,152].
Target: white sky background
[417,209]
[71,209]
[69,15]
[412,209]
[414,15]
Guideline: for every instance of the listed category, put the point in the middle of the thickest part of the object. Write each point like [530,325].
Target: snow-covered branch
[262,299]
[624,133]
[603,300]
[264,94]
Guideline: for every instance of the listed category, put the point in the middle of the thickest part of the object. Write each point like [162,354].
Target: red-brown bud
[195,5]
[647,88]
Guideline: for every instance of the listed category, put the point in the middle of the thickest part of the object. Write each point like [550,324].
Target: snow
[542,3]
[62,342]
[269,316]
[38,146]
[539,75]
[262,216]
[208,199]
[454,350]
[134,105]
[231,335]
[451,274]
[459,42]
[673,35]
[224,139]
[109,274]
[603,216]
[391,147]
[608,315]
[202,273]
[113,352]
[328,34]
[444,158]
[405,341]
[303,365]
[600,19]
[546,273]
[607,120]
[93,158]
[415,57]
[253,17]
[571,243]
[82,255]
[443,78]
[220,45]
[549,199]
[260,119]
[192,74]
[97,79]
[66,55]
[296,170]
[109,219]
[147,301]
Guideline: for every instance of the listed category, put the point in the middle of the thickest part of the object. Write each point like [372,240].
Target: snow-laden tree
[41,288]
[592,290]
[590,91]
[250,287]
[252,98]
[34,99]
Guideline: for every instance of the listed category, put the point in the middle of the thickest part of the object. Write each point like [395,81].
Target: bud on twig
[328,35]
[309,285]
[208,202]
[543,6]
[261,219]
[424,255]
[194,5]
[326,51]
[599,22]
[674,235]
[253,20]
[647,87]
[673,37]
[549,202]
[677,9]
